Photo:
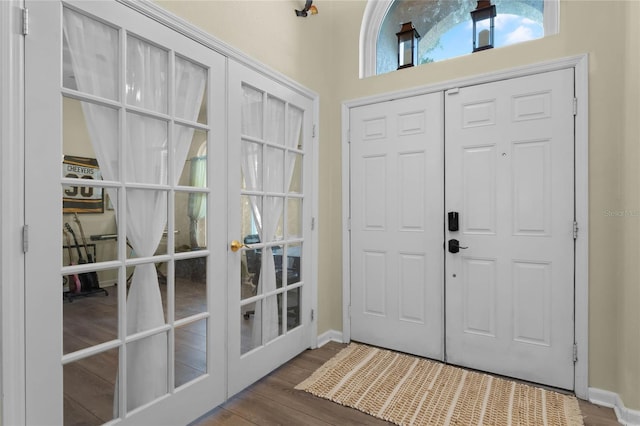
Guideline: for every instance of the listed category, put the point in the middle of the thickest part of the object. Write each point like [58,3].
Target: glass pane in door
[90,316]
[194,170]
[191,352]
[190,97]
[147,75]
[190,232]
[146,150]
[148,370]
[90,52]
[250,329]
[89,386]
[295,172]
[190,287]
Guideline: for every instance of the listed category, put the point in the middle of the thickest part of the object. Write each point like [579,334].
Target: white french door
[503,194]
[270,244]
[125,278]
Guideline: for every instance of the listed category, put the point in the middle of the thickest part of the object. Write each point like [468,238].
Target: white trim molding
[581,69]
[374,14]
[12,316]
[626,416]
[330,336]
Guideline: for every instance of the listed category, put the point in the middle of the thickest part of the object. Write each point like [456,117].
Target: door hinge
[313,315]
[349,224]
[25,21]
[575,230]
[25,238]
[575,353]
[313,223]
[313,131]
[575,106]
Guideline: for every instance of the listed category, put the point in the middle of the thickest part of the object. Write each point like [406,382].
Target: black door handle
[455,247]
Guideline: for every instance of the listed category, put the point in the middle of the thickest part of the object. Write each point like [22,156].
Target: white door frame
[12,257]
[12,290]
[581,67]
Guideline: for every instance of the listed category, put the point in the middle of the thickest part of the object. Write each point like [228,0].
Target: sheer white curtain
[283,126]
[197,208]
[94,53]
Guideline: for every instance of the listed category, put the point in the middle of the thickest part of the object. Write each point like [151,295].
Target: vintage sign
[81,198]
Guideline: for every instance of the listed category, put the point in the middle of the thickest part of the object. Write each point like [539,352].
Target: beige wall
[321,52]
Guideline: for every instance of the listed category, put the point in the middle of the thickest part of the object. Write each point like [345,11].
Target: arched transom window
[445,28]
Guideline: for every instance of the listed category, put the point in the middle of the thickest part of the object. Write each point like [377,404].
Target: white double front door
[462,213]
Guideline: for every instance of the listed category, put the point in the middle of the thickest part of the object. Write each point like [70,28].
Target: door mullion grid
[122,230]
[171,173]
[263,198]
[285,220]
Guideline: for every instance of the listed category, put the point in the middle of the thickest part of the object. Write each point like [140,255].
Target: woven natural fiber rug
[408,390]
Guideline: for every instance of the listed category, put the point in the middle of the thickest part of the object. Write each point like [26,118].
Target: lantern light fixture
[407,46]
[483,30]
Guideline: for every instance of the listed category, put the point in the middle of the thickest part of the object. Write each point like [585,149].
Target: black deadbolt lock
[453,221]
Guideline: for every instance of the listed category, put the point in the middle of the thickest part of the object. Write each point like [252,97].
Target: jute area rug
[408,390]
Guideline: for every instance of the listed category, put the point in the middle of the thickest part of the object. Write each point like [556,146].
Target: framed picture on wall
[81,199]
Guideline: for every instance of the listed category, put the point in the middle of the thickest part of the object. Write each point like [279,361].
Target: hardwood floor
[89,383]
[274,401]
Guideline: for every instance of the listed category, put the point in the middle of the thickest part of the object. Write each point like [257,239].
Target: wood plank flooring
[274,401]
[89,383]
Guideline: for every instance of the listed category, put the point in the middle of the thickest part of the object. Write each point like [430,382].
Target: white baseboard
[329,336]
[626,416]
[108,283]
